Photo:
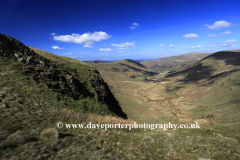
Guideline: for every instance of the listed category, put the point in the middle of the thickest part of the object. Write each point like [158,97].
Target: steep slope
[40,90]
[97,61]
[131,63]
[73,83]
[211,66]
[207,92]
[184,57]
[175,63]
[125,69]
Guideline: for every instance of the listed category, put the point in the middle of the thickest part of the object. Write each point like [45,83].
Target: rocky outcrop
[15,50]
[105,96]
[61,79]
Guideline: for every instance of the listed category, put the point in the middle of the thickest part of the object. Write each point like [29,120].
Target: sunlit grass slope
[175,63]
[37,91]
[212,86]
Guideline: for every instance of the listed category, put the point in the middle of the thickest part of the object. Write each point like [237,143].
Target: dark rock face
[105,96]
[15,50]
[65,82]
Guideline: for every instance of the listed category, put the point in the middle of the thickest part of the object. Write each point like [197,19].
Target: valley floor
[150,103]
[163,100]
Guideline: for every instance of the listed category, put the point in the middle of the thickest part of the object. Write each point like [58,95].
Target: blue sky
[123,29]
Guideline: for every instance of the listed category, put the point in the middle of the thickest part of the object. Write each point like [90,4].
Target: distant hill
[212,65]
[175,63]
[212,84]
[131,63]
[54,107]
[125,69]
[184,57]
[97,61]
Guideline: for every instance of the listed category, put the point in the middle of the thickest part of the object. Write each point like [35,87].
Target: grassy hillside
[125,69]
[71,82]
[39,89]
[181,97]
[212,86]
[126,78]
[175,63]
[205,92]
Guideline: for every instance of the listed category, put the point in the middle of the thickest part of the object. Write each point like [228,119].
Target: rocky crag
[79,83]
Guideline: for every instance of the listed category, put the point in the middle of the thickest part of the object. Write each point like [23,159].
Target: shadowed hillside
[125,69]
[205,93]
[211,83]
[57,75]
[211,66]
[39,90]
[131,62]
[212,87]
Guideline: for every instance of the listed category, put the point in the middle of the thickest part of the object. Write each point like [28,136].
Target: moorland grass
[29,112]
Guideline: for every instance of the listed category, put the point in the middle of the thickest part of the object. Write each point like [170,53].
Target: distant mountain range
[171,63]
[213,86]
[40,93]
[175,63]
[98,61]
[109,61]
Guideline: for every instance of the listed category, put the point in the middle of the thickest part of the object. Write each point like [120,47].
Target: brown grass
[49,134]
[71,116]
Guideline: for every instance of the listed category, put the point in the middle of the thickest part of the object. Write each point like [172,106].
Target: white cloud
[68,54]
[213,35]
[198,46]
[212,46]
[219,25]
[105,49]
[86,38]
[126,44]
[124,55]
[53,34]
[227,43]
[211,50]
[56,47]
[168,46]
[220,34]
[121,48]
[227,32]
[119,51]
[134,25]
[87,46]
[191,35]
[231,41]
[232,46]
[171,46]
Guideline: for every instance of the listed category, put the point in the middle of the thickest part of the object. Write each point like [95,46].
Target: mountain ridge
[66,81]
[38,94]
[174,63]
